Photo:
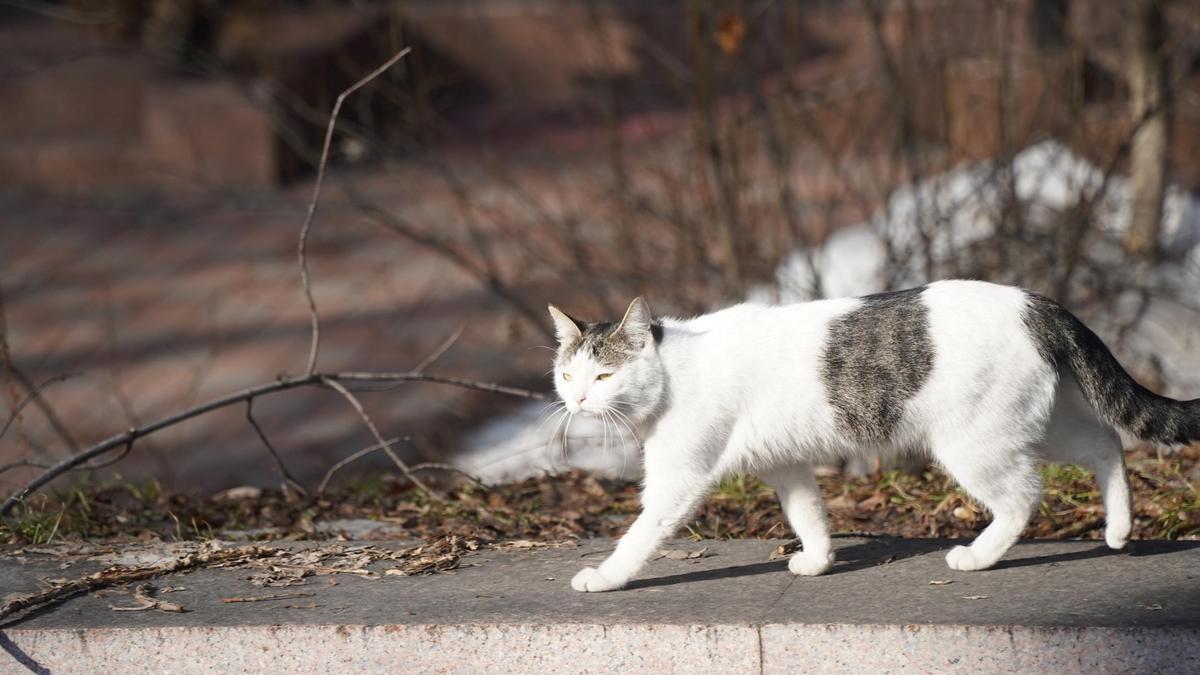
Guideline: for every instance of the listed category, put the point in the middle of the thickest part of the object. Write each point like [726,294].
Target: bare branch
[262,435]
[282,384]
[302,252]
[357,405]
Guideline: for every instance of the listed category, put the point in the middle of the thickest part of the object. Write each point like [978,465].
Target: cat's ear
[567,328]
[636,325]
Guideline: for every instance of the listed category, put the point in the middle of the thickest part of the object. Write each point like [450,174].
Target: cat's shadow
[850,558]
[877,552]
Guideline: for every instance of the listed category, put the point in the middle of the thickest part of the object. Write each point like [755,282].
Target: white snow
[955,209]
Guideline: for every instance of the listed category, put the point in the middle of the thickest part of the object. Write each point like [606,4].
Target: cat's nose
[582,399]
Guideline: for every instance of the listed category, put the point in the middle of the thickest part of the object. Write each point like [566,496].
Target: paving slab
[889,605]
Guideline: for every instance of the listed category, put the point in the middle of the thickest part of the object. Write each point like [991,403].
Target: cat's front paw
[963,559]
[589,580]
[810,565]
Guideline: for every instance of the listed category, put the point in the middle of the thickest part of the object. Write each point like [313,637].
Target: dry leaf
[680,554]
[976,597]
[941,582]
[238,494]
[875,501]
[730,31]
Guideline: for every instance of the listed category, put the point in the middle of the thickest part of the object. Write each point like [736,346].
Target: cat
[990,380]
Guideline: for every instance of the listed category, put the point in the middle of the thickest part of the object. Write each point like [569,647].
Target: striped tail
[1065,341]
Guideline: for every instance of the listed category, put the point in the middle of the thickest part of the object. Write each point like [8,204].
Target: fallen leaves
[293,569]
[941,582]
[271,567]
[212,554]
[143,596]
[439,556]
[575,505]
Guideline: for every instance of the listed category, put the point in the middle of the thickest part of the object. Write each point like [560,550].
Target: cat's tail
[1065,341]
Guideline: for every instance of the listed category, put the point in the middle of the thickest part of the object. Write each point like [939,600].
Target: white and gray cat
[989,379]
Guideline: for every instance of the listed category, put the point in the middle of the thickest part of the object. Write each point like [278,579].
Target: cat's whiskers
[563,418]
[624,448]
[611,412]
[604,427]
[567,430]
[619,402]
[628,425]
[548,412]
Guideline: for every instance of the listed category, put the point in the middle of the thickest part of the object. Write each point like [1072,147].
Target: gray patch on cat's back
[876,358]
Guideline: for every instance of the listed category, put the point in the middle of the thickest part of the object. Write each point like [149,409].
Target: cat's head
[609,364]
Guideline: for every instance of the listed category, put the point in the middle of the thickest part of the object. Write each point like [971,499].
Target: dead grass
[1166,504]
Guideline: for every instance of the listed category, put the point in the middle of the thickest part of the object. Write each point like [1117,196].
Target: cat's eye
[603,376]
[567,377]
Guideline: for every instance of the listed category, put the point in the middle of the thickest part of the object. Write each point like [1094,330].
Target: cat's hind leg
[1077,435]
[800,497]
[1108,463]
[1003,479]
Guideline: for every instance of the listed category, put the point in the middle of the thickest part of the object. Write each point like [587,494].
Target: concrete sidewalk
[1058,607]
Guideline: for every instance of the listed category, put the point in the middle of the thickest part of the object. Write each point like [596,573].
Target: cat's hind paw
[589,580]
[810,565]
[963,559]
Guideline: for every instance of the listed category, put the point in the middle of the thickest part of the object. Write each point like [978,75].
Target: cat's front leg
[800,497]
[671,493]
[631,553]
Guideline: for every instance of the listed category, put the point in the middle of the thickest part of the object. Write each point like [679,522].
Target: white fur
[740,390]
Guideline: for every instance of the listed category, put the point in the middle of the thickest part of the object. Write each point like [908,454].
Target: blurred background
[157,156]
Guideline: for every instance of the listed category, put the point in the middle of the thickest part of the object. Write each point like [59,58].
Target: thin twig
[442,349]
[481,273]
[7,367]
[262,435]
[282,384]
[22,462]
[362,413]
[449,468]
[351,458]
[33,395]
[302,249]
